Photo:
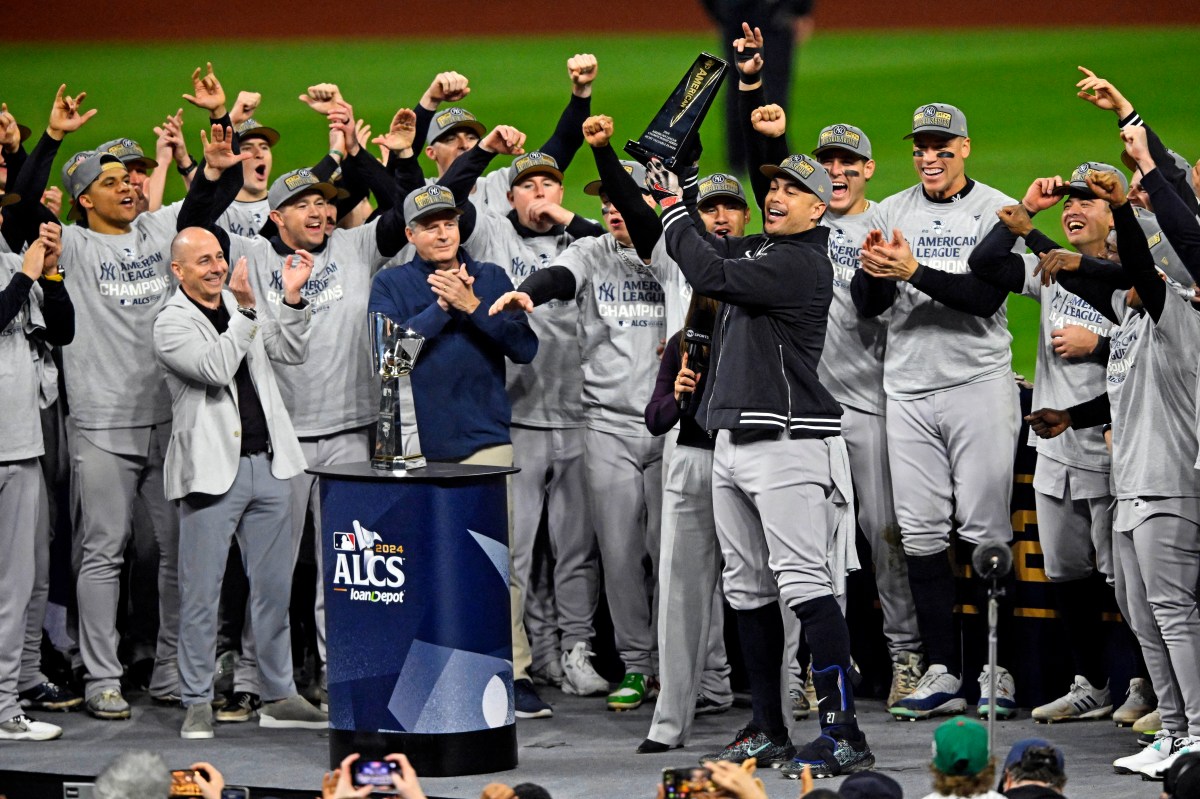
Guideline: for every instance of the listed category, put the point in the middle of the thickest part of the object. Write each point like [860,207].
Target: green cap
[960,747]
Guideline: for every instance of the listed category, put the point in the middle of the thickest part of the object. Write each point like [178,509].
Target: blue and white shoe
[1006,693]
[937,694]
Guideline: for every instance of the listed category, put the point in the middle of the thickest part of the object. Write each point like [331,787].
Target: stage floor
[572,754]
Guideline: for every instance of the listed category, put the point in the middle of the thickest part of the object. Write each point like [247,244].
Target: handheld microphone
[697,340]
[992,560]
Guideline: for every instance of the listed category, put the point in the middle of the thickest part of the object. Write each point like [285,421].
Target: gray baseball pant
[624,486]
[350,446]
[867,446]
[951,457]
[51,463]
[690,613]
[552,477]
[1168,557]
[20,494]
[108,484]
[257,508]
[1075,532]
[773,517]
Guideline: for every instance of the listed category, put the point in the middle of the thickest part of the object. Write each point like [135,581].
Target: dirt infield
[148,20]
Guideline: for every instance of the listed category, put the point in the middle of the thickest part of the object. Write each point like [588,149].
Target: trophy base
[642,154]
[397,463]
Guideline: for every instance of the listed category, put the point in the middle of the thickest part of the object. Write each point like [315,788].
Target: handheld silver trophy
[394,350]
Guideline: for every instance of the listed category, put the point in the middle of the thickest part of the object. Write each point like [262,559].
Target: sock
[932,584]
[1006,640]
[829,639]
[1079,606]
[760,632]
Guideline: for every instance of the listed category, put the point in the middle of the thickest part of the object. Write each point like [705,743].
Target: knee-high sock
[1079,603]
[829,639]
[932,583]
[761,634]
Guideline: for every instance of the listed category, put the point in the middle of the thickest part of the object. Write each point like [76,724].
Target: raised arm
[621,189]
[993,259]
[1178,221]
[567,137]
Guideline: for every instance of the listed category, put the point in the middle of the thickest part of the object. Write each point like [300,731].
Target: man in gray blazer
[231,453]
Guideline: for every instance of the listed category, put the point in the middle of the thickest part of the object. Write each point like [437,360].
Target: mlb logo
[344,542]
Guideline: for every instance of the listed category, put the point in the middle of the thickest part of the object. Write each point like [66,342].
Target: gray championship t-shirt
[117,284]
[931,347]
[546,393]
[622,323]
[1063,383]
[331,391]
[1154,425]
[851,365]
[245,218]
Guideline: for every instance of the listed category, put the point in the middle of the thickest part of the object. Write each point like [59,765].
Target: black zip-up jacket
[775,293]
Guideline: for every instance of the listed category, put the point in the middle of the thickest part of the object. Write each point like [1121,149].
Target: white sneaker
[1006,693]
[1158,770]
[906,673]
[1083,701]
[579,676]
[1160,750]
[937,694]
[1139,700]
[23,728]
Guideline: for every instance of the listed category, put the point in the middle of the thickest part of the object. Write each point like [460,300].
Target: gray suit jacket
[200,366]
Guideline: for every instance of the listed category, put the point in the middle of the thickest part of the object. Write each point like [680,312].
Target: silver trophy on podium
[395,350]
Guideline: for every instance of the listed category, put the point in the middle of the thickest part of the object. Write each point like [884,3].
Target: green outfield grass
[1016,87]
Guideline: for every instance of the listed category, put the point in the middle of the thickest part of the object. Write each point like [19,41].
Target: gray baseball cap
[251,128]
[633,168]
[843,137]
[535,164]
[81,171]
[452,119]
[1078,186]
[805,171]
[296,182]
[128,152]
[720,184]
[427,200]
[940,118]
[1179,160]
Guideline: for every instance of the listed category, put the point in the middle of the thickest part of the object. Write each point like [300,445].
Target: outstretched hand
[65,114]
[748,53]
[207,92]
[512,301]
[1048,422]
[1102,94]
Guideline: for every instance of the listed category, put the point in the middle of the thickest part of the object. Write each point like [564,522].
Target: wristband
[56,277]
[339,153]
[185,171]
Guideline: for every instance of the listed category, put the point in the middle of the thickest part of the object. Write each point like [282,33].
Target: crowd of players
[859,372]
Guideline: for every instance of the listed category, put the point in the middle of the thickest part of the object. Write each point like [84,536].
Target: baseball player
[1158,498]
[851,365]
[621,304]
[769,423]
[946,468]
[1071,479]
[34,306]
[118,400]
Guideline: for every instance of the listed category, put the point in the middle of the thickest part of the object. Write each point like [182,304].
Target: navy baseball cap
[939,118]
[870,785]
[805,171]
